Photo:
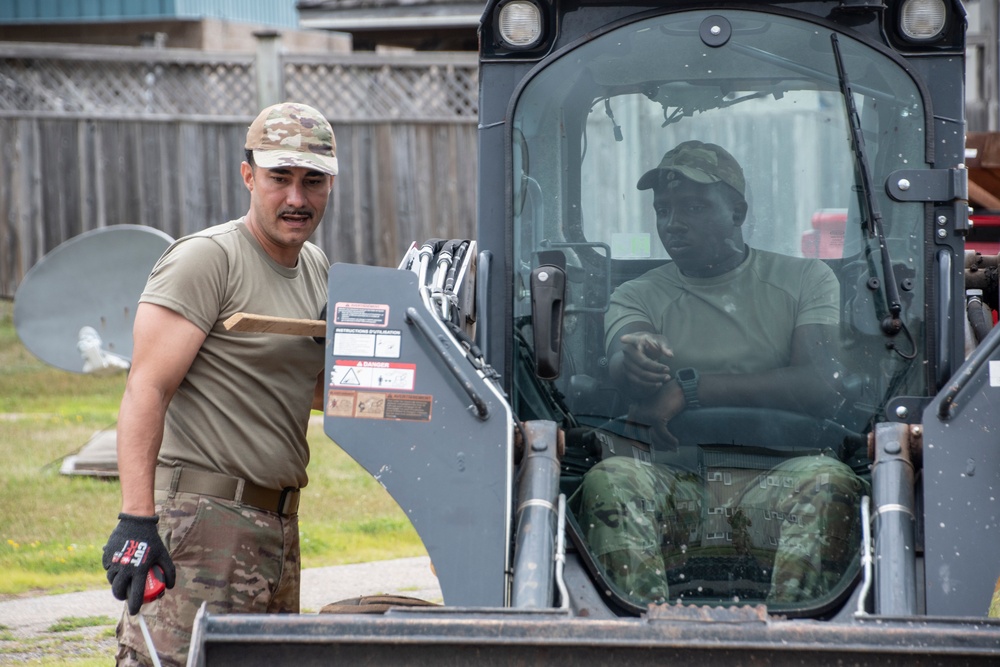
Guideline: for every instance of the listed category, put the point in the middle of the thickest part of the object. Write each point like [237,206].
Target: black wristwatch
[687,378]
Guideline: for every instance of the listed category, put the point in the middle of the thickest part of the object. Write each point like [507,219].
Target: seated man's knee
[625,477]
[823,471]
[815,486]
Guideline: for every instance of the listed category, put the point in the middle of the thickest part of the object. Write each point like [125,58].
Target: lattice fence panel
[215,89]
[385,91]
[127,86]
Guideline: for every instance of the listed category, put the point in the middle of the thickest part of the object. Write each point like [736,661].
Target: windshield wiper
[891,324]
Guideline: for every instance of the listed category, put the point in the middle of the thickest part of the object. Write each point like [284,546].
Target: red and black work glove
[133,548]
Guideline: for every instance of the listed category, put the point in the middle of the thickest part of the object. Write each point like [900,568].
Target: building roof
[277,13]
[421,24]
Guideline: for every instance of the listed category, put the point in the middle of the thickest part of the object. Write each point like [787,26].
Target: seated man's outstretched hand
[644,359]
[657,411]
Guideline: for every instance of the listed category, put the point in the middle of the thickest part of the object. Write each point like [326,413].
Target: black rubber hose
[977,318]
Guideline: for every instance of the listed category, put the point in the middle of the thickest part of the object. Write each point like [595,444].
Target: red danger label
[367,374]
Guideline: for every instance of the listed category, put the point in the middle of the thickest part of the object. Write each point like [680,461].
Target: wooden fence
[403,177]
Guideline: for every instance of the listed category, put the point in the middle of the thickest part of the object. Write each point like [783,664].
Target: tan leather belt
[187,480]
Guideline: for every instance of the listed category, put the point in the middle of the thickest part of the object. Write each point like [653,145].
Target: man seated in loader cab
[722,325]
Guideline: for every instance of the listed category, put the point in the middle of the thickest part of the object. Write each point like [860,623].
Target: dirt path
[26,624]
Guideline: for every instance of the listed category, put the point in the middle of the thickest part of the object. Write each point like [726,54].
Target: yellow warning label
[341,403]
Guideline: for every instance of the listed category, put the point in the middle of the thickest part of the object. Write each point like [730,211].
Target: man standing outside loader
[212,447]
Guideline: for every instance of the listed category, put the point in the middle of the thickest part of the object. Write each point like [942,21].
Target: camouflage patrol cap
[293,135]
[700,162]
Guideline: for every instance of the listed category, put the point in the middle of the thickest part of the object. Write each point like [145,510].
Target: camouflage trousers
[235,559]
[641,519]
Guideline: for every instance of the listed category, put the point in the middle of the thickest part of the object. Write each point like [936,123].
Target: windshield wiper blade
[891,324]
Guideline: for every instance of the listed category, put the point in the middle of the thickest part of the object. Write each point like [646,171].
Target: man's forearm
[319,393]
[140,432]
[795,388]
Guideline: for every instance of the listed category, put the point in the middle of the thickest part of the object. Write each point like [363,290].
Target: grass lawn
[53,527]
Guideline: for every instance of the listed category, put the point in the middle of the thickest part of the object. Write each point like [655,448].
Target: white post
[270,85]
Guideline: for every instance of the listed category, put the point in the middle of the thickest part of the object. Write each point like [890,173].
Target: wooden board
[983,162]
[250,323]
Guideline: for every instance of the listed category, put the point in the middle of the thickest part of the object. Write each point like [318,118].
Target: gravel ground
[29,630]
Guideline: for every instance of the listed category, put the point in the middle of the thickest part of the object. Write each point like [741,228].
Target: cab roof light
[520,24]
[922,20]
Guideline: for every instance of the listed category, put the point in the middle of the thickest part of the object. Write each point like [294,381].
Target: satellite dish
[74,309]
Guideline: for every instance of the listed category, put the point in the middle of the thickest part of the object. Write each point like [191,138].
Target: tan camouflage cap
[700,162]
[293,135]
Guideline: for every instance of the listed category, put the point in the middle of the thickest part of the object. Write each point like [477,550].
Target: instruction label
[361,314]
[373,375]
[379,405]
[380,343]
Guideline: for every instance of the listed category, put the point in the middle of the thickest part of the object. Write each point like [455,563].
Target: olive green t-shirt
[243,407]
[739,322]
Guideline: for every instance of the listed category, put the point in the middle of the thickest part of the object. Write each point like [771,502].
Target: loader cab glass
[769,91]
